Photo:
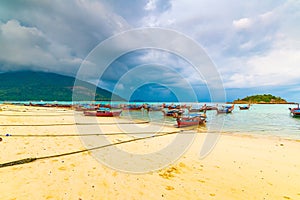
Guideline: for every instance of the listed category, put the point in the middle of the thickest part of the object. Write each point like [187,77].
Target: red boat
[103,112]
[295,112]
[191,121]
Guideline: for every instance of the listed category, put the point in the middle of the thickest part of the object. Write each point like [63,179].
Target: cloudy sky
[254,45]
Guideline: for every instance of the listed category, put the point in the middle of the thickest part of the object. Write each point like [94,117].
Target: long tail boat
[244,107]
[295,112]
[191,120]
[225,109]
[103,112]
[173,113]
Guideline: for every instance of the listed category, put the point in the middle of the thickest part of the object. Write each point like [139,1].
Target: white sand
[239,167]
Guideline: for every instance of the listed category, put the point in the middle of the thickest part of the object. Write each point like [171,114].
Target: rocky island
[261,99]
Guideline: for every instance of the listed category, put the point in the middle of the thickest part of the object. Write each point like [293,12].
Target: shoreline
[239,167]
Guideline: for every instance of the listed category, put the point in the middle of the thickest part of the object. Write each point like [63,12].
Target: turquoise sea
[262,119]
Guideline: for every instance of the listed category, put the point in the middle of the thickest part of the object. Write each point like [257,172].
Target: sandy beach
[239,167]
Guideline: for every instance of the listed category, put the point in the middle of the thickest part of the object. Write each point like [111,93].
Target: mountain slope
[36,86]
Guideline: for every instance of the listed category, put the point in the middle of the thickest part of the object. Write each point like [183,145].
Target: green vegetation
[264,98]
[36,86]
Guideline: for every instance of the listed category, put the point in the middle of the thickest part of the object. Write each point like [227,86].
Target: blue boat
[225,109]
[295,112]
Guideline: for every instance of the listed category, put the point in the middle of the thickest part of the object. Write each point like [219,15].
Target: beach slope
[239,167]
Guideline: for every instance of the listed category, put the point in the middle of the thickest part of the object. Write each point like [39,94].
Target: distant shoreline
[261,103]
[126,102]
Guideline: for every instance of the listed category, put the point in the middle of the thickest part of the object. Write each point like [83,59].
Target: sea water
[262,119]
[266,119]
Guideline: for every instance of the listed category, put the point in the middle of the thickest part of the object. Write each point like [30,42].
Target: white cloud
[279,66]
[269,51]
[29,47]
[151,5]
[22,45]
[243,23]
[32,39]
[252,43]
[267,17]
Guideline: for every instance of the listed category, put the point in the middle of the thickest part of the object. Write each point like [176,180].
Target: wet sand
[239,167]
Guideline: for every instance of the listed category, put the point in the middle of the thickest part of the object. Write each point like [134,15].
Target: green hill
[264,98]
[36,86]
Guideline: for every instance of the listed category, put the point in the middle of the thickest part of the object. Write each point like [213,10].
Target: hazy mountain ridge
[36,86]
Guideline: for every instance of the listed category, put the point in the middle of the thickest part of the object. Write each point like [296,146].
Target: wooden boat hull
[173,113]
[203,108]
[208,108]
[132,107]
[295,112]
[189,121]
[244,108]
[225,110]
[103,114]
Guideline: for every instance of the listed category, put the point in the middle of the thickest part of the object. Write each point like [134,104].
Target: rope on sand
[40,115]
[105,134]
[72,124]
[29,160]
[71,135]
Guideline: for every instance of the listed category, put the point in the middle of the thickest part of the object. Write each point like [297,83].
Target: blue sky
[254,45]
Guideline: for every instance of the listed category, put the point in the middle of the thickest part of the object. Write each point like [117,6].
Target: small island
[261,99]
